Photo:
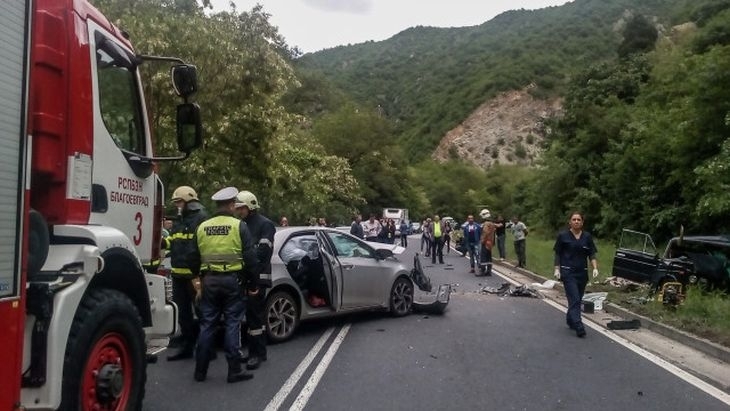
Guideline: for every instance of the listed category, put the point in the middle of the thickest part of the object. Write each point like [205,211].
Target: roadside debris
[619,282]
[547,285]
[624,325]
[507,289]
[596,299]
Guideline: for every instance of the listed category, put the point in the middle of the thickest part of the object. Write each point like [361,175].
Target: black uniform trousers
[183,294]
[255,324]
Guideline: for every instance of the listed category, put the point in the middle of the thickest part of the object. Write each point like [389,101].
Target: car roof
[711,239]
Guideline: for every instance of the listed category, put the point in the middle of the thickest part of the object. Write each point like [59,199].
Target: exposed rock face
[508,129]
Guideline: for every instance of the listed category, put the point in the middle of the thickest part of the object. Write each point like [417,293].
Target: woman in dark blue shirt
[573,249]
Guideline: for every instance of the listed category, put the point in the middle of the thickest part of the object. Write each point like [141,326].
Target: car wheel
[401,297]
[282,316]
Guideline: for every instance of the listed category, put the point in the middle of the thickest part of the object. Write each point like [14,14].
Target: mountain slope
[428,80]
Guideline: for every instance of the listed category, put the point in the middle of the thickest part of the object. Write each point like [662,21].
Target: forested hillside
[429,79]
[641,142]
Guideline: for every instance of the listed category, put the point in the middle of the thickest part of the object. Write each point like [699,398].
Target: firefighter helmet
[184,193]
[484,214]
[247,199]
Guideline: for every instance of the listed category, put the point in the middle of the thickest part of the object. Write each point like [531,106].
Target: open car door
[636,258]
[425,297]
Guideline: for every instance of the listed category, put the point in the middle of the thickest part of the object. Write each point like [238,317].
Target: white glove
[595,272]
[557,273]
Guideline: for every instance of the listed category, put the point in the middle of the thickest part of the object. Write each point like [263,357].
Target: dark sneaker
[581,333]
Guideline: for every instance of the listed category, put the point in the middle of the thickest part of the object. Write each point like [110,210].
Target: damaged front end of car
[425,298]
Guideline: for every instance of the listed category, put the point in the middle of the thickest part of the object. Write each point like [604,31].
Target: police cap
[225,194]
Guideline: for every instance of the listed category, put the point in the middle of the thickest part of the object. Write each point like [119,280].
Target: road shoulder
[699,357]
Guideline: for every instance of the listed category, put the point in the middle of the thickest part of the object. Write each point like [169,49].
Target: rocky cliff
[508,129]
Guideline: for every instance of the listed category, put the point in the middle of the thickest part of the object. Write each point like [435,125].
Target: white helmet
[184,193]
[246,198]
[484,214]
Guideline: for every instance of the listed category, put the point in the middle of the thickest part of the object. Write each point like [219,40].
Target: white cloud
[313,25]
[347,6]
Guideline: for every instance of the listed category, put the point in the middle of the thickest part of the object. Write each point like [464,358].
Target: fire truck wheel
[38,242]
[105,366]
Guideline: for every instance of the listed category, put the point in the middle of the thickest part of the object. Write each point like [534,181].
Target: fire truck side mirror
[184,79]
[189,127]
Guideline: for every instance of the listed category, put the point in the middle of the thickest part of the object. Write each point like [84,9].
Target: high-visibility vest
[220,245]
[436,229]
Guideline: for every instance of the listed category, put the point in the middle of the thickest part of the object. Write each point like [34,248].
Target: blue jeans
[221,296]
[472,249]
[574,283]
[520,251]
[500,246]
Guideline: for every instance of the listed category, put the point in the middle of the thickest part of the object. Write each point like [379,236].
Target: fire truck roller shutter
[38,242]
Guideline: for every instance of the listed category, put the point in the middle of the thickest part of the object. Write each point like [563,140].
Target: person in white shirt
[372,228]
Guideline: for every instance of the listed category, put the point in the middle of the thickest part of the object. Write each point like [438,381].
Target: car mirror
[189,127]
[382,254]
[184,79]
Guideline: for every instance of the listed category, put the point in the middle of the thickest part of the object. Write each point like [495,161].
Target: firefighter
[180,243]
[263,230]
[225,258]
[487,242]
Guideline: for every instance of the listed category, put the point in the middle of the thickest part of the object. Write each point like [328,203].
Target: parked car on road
[322,272]
[703,260]
[416,228]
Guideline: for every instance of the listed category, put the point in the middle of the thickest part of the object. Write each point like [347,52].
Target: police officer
[224,256]
[180,243]
[263,230]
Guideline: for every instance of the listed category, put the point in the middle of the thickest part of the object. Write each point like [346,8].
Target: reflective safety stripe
[181,236]
[180,270]
[258,331]
[266,241]
[265,276]
[221,259]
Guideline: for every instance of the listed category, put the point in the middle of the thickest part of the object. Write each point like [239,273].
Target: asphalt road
[485,352]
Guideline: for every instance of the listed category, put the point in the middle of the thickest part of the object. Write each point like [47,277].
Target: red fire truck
[80,209]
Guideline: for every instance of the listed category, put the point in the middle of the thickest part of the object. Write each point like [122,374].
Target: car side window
[346,246]
[295,248]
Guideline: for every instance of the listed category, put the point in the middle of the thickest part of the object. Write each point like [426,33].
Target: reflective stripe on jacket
[219,242]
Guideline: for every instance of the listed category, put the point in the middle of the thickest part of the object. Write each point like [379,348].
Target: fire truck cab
[80,209]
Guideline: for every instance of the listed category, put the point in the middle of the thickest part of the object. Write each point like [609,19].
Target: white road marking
[680,373]
[314,380]
[286,389]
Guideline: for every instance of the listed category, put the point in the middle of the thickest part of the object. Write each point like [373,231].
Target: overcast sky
[314,25]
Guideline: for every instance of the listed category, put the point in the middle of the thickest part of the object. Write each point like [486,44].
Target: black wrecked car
[703,260]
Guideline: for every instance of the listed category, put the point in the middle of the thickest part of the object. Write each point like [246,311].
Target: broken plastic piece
[624,325]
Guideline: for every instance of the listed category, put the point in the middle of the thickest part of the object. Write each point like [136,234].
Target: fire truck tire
[105,365]
[38,242]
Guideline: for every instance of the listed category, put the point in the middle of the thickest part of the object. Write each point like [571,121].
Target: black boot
[185,352]
[201,370]
[235,372]
[254,362]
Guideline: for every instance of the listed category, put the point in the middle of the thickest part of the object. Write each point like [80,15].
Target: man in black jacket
[263,230]
[356,227]
[180,243]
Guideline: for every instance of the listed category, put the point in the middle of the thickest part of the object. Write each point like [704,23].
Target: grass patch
[540,256]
